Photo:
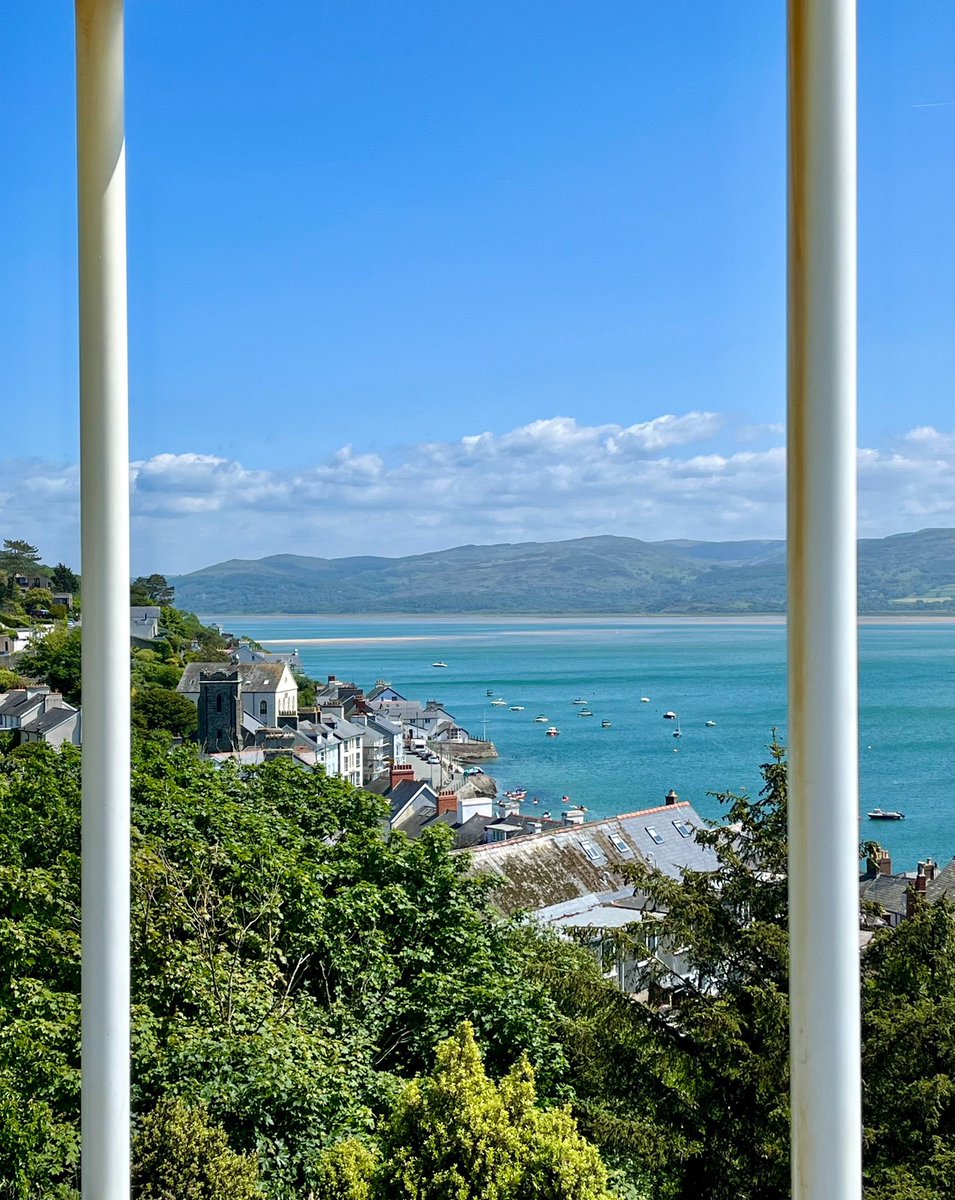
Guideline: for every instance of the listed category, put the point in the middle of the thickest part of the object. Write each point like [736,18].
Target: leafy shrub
[179,1154]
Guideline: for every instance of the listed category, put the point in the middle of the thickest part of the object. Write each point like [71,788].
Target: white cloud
[555,478]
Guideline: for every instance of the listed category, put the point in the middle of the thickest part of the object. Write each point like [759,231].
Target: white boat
[585,712]
[710,724]
[579,700]
[606,724]
[669,716]
[439,664]
[499,703]
[517,708]
[552,732]
[877,814]
[644,699]
[541,720]
[676,733]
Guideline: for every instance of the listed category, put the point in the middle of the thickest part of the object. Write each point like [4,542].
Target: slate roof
[943,884]
[402,794]
[144,612]
[17,703]
[575,862]
[888,891]
[342,728]
[400,710]
[255,677]
[50,719]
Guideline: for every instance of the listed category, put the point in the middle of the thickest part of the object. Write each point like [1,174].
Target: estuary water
[722,670]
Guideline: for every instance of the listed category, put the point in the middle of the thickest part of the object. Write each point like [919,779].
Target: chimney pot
[884,863]
[671,797]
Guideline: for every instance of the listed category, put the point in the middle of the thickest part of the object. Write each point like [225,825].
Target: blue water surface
[733,674]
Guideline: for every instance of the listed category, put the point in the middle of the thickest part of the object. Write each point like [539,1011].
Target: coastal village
[565,870]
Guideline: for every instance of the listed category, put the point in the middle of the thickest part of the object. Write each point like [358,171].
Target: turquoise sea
[722,671]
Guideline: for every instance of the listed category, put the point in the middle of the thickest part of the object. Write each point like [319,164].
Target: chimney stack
[915,895]
[883,862]
[671,798]
[931,868]
[447,801]
[400,772]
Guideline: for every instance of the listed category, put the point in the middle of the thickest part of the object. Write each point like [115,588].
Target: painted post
[822,604]
[104,490]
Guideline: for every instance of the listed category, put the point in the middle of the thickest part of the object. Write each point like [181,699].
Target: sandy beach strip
[571,624]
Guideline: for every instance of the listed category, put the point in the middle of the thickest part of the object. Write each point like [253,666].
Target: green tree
[55,659]
[9,679]
[178,1153]
[160,708]
[908,1028]
[18,557]
[64,579]
[458,1135]
[38,598]
[292,964]
[691,1099]
[151,589]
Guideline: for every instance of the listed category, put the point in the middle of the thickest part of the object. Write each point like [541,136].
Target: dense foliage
[179,1154]
[457,1133]
[292,965]
[296,972]
[55,659]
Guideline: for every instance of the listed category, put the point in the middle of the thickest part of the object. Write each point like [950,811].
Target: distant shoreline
[894,619]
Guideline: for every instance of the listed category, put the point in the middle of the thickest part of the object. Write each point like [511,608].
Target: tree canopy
[292,964]
[457,1133]
[151,589]
[329,1012]
[18,557]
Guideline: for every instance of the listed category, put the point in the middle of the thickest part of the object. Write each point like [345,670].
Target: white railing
[823,686]
[104,494]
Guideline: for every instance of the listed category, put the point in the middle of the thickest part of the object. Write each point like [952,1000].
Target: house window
[682,828]
[622,847]
[263,708]
[592,850]
[658,838]
[219,702]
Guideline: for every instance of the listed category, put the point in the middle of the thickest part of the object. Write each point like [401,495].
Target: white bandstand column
[104,457]
[822,604]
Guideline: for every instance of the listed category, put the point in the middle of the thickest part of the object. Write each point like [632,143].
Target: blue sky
[408,274]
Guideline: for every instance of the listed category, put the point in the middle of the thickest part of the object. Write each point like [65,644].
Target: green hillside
[905,572]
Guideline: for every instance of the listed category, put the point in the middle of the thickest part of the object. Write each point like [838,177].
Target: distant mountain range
[905,572]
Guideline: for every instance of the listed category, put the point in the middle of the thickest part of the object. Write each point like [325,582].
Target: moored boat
[878,814]
[541,720]
[498,703]
[439,664]
[606,724]
[552,732]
